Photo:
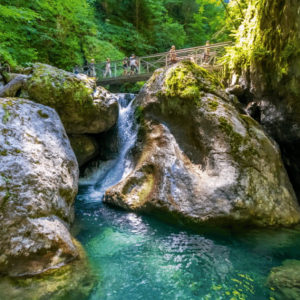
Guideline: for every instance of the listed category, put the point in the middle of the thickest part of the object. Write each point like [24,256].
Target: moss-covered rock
[72,281]
[85,147]
[200,160]
[284,281]
[82,107]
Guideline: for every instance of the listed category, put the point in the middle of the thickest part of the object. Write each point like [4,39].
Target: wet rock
[72,281]
[85,147]
[82,107]
[199,160]
[38,184]
[284,281]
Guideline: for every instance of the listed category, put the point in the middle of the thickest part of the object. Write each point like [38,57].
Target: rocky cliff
[266,66]
[198,159]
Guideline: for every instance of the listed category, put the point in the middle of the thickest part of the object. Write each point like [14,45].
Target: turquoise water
[139,257]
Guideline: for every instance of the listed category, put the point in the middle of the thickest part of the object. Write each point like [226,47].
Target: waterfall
[104,174]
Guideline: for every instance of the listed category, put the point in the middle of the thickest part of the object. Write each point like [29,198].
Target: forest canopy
[65,33]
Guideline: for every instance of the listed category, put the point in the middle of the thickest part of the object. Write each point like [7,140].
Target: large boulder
[200,160]
[84,146]
[38,184]
[82,107]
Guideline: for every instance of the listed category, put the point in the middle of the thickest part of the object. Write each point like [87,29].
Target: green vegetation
[184,84]
[262,42]
[65,33]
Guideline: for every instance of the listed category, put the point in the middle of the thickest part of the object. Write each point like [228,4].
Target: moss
[43,115]
[213,105]
[58,86]
[3,152]
[260,41]
[242,148]
[139,114]
[235,138]
[6,116]
[184,87]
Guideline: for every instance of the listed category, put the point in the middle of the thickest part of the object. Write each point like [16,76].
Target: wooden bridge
[146,65]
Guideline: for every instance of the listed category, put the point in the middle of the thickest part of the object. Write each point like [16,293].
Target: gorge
[187,190]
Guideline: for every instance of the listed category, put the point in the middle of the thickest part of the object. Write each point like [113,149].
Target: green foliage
[66,33]
[183,86]
[132,88]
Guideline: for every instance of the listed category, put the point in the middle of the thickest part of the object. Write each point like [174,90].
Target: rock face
[269,37]
[38,184]
[199,160]
[72,281]
[284,281]
[85,147]
[82,107]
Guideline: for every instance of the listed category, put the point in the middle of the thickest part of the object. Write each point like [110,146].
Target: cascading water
[138,257]
[109,173]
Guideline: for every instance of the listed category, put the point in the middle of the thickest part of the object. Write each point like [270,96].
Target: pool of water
[139,257]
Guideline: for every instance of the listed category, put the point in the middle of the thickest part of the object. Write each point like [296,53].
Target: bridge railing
[148,64]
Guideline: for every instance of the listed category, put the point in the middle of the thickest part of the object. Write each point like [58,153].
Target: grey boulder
[38,184]
[199,160]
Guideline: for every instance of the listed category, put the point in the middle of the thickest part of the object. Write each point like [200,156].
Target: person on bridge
[107,68]
[173,55]
[125,65]
[133,64]
[206,52]
[92,69]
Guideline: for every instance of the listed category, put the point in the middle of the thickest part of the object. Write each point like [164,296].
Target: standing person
[173,55]
[133,64]
[76,70]
[206,52]
[107,68]
[125,65]
[92,70]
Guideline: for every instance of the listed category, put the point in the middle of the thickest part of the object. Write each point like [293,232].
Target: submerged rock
[199,160]
[82,107]
[72,281]
[284,280]
[85,147]
[38,184]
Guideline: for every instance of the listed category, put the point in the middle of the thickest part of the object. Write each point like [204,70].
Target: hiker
[173,55]
[107,68]
[125,65]
[206,52]
[133,64]
[76,70]
[191,57]
[92,70]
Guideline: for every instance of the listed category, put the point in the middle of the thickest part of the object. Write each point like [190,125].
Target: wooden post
[166,60]
[196,57]
[147,67]
[115,69]
[139,66]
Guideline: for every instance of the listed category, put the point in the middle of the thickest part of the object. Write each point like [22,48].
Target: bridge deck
[141,77]
[148,64]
